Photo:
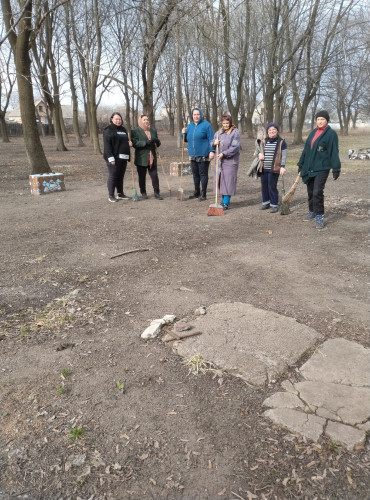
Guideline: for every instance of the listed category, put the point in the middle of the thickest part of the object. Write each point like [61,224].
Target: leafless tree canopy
[273,59]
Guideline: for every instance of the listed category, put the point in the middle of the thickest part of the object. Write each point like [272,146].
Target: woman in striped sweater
[273,160]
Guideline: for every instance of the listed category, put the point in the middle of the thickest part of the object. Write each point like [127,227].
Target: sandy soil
[91,411]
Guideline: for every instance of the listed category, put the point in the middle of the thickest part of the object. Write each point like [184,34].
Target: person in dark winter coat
[145,141]
[319,155]
[116,153]
[198,135]
[228,141]
[273,160]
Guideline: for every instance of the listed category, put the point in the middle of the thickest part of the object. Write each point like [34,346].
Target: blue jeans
[200,175]
[270,193]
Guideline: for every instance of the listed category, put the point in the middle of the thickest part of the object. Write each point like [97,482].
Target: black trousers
[153,173]
[315,191]
[116,174]
[200,175]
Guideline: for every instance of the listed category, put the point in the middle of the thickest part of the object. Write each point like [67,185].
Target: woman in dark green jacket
[320,154]
[145,140]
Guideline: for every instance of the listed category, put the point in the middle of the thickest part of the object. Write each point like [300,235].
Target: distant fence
[16,129]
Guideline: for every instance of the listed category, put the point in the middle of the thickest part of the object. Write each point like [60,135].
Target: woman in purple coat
[228,141]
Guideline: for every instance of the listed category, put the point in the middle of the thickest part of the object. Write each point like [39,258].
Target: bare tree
[351,71]
[21,40]
[44,56]
[156,27]
[236,53]
[71,71]
[7,81]
[320,48]
[89,17]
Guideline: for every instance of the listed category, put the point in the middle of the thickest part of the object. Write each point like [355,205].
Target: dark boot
[203,196]
[196,194]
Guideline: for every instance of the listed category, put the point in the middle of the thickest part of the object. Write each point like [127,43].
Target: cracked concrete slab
[336,389]
[345,434]
[353,368]
[349,404]
[283,400]
[305,424]
[250,343]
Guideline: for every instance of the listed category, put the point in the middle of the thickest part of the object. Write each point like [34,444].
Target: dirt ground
[91,411]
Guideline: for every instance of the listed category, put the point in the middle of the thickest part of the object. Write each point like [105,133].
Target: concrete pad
[350,404]
[283,400]
[250,343]
[341,362]
[364,427]
[288,386]
[345,434]
[305,424]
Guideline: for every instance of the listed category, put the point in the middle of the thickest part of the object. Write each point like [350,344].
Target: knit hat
[272,124]
[322,114]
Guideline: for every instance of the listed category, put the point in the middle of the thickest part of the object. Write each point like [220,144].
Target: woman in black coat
[116,153]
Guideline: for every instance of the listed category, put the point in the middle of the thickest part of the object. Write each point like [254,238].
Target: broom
[288,198]
[162,166]
[284,209]
[215,208]
[180,191]
[134,193]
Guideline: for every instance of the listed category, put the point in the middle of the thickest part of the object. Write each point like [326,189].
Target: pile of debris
[359,154]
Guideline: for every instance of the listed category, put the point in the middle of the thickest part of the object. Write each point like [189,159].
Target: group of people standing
[117,153]
[319,156]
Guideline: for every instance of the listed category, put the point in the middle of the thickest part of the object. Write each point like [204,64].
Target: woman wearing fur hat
[273,160]
[320,154]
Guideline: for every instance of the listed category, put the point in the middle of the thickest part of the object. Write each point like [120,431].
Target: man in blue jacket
[198,135]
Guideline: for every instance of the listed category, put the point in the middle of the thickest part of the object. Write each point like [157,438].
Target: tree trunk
[4,130]
[234,107]
[35,153]
[298,131]
[290,117]
[171,118]
[57,111]
[249,126]
[269,100]
[20,44]
[94,128]
[72,86]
